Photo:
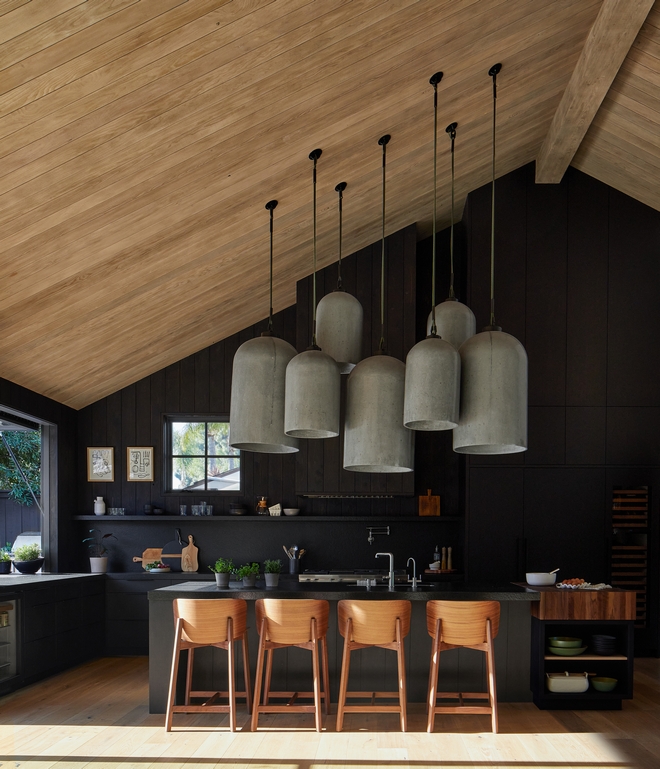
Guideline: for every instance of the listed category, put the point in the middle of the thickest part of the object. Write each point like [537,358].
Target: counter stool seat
[292,622]
[462,624]
[209,622]
[365,624]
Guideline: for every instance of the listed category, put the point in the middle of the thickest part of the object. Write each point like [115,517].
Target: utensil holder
[294,566]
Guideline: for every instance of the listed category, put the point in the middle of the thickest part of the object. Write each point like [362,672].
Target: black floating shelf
[375,519]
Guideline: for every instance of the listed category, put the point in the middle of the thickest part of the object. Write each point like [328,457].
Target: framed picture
[140,463]
[100,463]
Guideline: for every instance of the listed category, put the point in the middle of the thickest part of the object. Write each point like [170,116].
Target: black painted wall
[15,518]
[577,276]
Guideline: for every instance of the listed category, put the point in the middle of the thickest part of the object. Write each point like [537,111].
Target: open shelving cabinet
[619,665]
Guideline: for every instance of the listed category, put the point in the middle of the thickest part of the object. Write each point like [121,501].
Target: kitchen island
[375,669]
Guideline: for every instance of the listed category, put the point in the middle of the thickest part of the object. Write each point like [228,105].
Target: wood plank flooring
[96,716]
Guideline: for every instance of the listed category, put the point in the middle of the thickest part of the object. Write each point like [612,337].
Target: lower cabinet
[618,665]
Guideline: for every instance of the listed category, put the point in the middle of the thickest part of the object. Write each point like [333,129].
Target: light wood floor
[96,716]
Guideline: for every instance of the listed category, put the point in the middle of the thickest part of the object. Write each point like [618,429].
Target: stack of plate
[605,645]
[565,646]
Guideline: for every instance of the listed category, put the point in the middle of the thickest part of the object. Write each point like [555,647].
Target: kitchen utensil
[565,642]
[189,561]
[541,577]
[429,505]
[291,510]
[562,652]
[603,684]
[262,506]
[286,550]
[569,683]
[150,555]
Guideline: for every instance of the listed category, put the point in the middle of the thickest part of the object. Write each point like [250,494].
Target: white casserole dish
[540,578]
[567,683]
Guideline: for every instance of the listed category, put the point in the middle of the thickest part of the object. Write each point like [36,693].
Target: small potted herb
[222,568]
[28,559]
[248,573]
[5,559]
[272,569]
[98,558]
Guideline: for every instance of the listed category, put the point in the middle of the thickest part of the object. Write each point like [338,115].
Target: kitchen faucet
[391,557]
[414,579]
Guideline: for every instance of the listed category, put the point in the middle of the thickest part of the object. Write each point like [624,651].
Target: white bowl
[291,510]
[540,578]
[435,565]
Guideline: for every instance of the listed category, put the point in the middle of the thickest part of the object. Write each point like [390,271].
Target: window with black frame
[199,457]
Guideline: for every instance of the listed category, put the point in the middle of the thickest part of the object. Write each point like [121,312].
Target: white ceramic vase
[98,565]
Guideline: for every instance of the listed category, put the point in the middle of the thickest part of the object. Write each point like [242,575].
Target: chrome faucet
[391,557]
[414,579]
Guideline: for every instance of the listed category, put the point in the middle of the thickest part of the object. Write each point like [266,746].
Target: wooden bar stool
[469,624]
[209,622]
[291,622]
[373,623]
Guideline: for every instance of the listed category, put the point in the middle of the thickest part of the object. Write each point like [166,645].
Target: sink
[399,588]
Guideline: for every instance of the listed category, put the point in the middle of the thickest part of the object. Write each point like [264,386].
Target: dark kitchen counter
[333,591]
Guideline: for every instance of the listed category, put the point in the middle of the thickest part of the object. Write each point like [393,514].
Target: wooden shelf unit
[629,549]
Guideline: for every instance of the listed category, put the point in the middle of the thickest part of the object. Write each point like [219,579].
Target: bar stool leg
[490,664]
[246,673]
[269,672]
[317,677]
[257,680]
[326,678]
[173,675]
[189,675]
[401,664]
[433,678]
[343,684]
[231,670]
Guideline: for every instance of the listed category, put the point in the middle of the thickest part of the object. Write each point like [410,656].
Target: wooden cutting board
[429,505]
[150,555]
[189,561]
[171,552]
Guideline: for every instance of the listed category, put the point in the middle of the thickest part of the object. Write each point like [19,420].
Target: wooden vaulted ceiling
[140,140]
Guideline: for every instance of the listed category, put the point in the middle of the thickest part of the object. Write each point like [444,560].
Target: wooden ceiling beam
[607,44]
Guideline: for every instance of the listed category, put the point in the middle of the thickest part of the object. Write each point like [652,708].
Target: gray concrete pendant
[257,396]
[339,318]
[455,322]
[375,440]
[432,387]
[312,393]
[493,417]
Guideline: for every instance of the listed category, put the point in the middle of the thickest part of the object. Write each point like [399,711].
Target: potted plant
[248,573]
[222,568]
[272,570]
[98,559]
[28,559]
[5,559]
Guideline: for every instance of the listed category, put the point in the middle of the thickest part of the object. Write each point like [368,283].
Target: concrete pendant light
[339,316]
[256,413]
[493,417]
[313,382]
[375,440]
[454,320]
[433,366]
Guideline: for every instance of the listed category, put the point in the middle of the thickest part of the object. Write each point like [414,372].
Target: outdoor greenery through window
[201,457]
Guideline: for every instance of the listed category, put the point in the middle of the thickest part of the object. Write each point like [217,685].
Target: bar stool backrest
[205,620]
[374,622]
[463,622]
[288,621]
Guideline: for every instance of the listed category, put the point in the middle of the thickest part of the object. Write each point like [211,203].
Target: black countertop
[337,591]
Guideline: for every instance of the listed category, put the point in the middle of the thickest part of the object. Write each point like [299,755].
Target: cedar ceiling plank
[28,17]
[136,13]
[65,25]
[7,6]
[118,57]
[606,46]
[96,164]
[193,201]
[132,199]
[179,45]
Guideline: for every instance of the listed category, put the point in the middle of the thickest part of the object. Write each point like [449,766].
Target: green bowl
[565,642]
[601,684]
[572,652]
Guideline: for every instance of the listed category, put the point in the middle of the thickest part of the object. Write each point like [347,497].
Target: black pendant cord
[383,141]
[434,82]
[451,131]
[493,72]
[314,155]
[271,206]
[340,190]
